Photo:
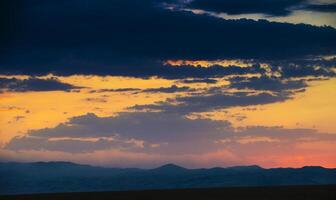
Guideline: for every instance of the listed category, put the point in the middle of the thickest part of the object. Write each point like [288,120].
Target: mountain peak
[170,168]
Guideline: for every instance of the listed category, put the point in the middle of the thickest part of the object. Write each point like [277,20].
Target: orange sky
[312,109]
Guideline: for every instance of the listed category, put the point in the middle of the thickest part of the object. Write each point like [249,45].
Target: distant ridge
[51,177]
[169,168]
[248,167]
[57,163]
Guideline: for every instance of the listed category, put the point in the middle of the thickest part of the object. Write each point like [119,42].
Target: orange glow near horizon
[313,109]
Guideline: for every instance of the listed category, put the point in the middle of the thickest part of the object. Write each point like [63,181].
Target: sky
[141,83]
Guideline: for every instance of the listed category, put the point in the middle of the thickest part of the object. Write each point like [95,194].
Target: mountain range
[54,177]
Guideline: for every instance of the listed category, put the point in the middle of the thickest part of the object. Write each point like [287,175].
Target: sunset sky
[141,83]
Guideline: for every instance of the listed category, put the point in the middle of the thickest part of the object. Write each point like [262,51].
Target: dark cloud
[171,133]
[171,89]
[68,144]
[316,67]
[34,84]
[302,71]
[163,71]
[235,7]
[212,100]
[152,126]
[124,131]
[134,37]
[205,80]
[321,7]
[116,90]
[266,83]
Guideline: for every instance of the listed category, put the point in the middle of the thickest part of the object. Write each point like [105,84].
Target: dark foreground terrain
[64,177]
[249,193]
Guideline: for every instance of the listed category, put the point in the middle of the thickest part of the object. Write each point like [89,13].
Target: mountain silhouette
[246,168]
[51,177]
[169,168]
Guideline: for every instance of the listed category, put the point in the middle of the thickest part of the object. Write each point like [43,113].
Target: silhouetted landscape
[167,99]
[61,177]
[318,192]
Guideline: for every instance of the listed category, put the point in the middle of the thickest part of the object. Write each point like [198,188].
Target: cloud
[321,7]
[213,99]
[116,90]
[121,38]
[155,133]
[266,83]
[236,7]
[124,132]
[151,126]
[34,84]
[76,145]
[295,70]
[205,80]
[171,89]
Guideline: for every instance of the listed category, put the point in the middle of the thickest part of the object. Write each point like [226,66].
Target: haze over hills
[53,177]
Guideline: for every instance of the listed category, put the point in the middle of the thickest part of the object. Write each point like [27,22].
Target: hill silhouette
[55,177]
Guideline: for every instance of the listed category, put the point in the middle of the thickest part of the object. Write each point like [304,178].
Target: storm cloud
[134,38]
[235,7]
[266,7]
[34,85]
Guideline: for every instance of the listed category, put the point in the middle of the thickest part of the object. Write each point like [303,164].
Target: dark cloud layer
[153,69]
[266,83]
[66,145]
[234,7]
[171,133]
[316,67]
[212,100]
[267,7]
[116,90]
[134,37]
[152,126]
[34,84]
[322,7]
[171,89]
[205,80]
